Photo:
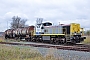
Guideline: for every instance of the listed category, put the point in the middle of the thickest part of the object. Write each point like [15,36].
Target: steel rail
[64,47]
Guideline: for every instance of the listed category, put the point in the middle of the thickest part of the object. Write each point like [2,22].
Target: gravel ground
[62,54]
[65,54]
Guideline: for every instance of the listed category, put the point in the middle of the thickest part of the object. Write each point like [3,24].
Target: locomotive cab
[73,33]
[40,27]
[47,24]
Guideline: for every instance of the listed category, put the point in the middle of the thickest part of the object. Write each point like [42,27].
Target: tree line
[17,22]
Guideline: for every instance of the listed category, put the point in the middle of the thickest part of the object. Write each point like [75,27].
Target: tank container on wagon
[6,33]
[15,31]
[30,30]
[9,31]
[23,31]
[19,31]
[27,30]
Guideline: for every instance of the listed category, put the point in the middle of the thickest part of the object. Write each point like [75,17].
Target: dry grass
[2,39]
[18,53]
[87,40]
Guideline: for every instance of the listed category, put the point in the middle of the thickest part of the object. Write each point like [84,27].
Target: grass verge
[19,53]
[2,39]
[87,40]
[16,53]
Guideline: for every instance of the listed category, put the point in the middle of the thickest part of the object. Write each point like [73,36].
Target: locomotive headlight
[75,33]
[81,33]
[40,38]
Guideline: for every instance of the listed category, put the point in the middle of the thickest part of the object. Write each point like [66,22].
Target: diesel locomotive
[60,34]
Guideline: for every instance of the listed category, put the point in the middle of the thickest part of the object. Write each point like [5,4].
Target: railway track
[77,47]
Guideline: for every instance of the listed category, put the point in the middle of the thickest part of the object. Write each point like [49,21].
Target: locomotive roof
[45,24]
[65,25]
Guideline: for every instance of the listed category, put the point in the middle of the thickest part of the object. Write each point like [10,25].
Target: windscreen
[47,24]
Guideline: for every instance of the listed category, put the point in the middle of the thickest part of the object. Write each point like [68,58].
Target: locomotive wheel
[51,42]
[57,42]
[32,39]
[74,42]
[41,40]
[63,41]
[26,39]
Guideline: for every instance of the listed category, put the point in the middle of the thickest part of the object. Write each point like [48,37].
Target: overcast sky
[63,11]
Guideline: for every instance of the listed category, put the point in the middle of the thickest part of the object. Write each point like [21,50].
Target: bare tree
[17,22]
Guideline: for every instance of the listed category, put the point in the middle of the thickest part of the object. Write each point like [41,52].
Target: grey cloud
[64,11]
